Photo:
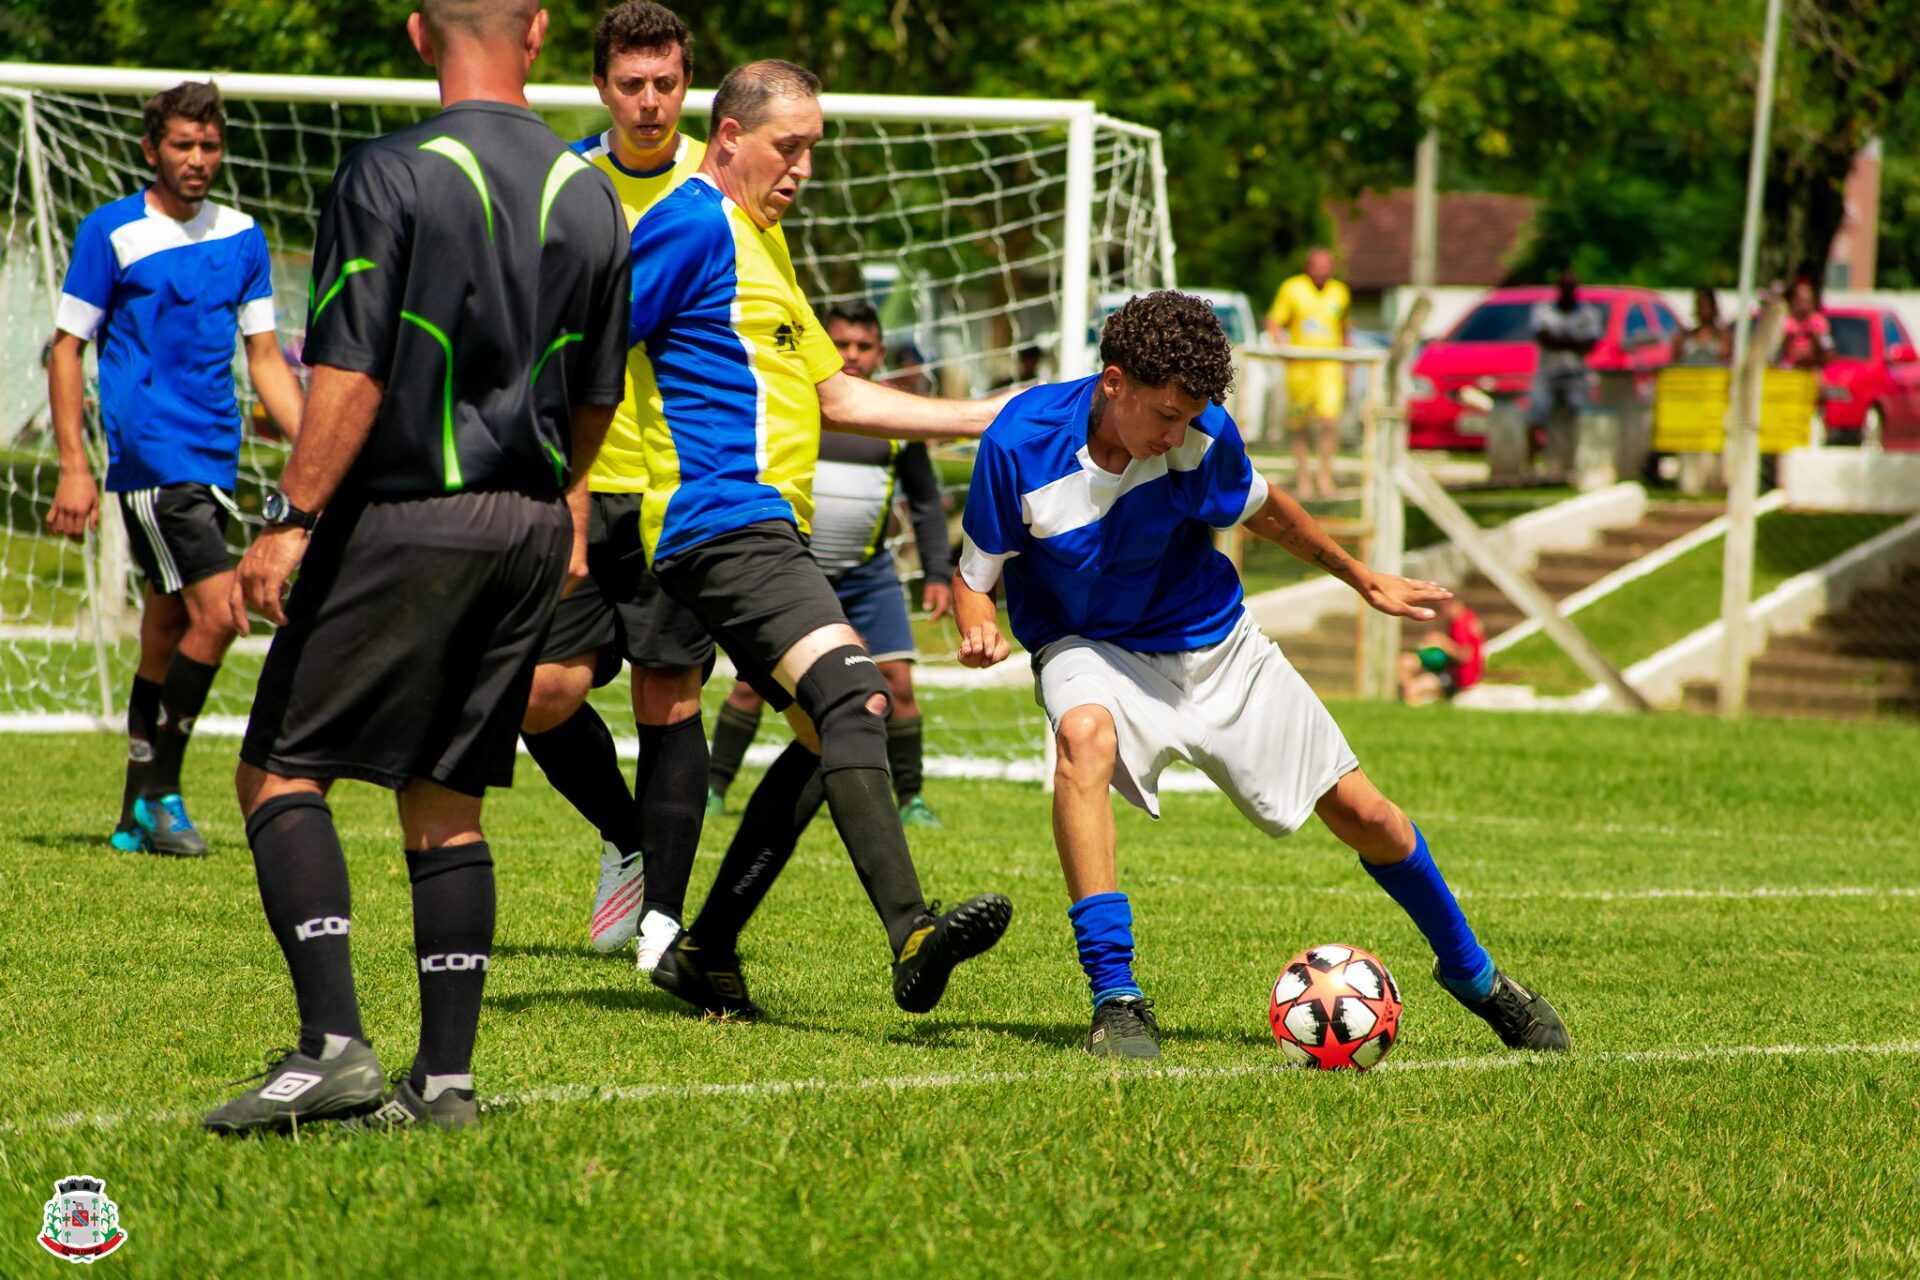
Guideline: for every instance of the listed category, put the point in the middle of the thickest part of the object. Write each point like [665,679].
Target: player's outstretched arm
[341,406]
[273,382]
[76,499]
[978,617]
[1286,524]
[869,409]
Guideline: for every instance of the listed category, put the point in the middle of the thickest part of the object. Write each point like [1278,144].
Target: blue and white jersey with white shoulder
[163,299]
[1126,558]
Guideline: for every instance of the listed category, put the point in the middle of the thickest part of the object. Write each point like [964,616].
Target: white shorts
[1236,710]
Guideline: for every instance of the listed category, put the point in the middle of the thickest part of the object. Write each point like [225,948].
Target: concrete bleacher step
[1827,638]
[1814,668]
[1794,698]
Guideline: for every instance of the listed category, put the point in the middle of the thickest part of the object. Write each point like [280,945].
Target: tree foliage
[1629,118]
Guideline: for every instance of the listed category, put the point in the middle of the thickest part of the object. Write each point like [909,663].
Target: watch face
[276,508]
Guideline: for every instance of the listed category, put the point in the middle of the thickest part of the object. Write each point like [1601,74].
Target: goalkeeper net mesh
[974,228]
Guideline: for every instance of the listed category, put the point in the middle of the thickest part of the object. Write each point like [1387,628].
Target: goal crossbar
[394,92]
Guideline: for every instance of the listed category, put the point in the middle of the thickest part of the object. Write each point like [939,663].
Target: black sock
[780,808]
[904,752]
[181,698]
[143,710]
[303,886]
[733,731]
[453,910]
[861,801]
[669,792]
[579,759]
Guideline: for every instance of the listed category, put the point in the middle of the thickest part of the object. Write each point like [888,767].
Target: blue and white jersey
[1124,558]
[163,299]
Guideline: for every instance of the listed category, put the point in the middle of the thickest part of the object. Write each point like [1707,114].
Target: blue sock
[1416,884]
[1103,930]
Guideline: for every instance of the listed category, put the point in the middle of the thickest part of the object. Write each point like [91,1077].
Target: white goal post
[980,228]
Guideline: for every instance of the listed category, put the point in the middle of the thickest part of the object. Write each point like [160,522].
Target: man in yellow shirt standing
[1311,310]
[642,62]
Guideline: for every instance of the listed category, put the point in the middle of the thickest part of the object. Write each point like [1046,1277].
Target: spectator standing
[1708,341]
[1806,341]
[1566,330]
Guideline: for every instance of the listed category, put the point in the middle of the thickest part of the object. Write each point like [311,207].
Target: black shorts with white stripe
[178,533]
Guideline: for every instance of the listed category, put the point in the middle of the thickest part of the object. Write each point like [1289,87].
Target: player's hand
[260,583]
[1403,597]
[982,645]
[937,601]
[76,505]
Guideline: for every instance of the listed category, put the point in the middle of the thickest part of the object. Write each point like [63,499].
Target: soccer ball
[1335,1007]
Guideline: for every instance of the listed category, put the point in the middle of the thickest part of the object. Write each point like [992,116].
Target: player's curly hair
[641,26]
[195,100]
[1170,335]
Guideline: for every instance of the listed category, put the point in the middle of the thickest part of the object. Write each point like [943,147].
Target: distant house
[1478,235]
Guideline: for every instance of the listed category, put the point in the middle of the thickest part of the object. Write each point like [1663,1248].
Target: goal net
[981,230]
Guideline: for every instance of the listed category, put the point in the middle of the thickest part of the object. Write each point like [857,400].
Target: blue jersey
[1124,558]
[163,298]
[727,355]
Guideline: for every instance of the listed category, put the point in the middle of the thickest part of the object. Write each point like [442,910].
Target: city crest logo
[82,1225]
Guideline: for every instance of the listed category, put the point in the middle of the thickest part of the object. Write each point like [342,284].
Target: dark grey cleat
[404,1108]
[710,981]
[940,942]
[169,831]
[300,1090]
[1124,1027]
[1521,1018]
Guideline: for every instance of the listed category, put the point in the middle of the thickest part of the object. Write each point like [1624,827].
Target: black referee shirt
[479,268]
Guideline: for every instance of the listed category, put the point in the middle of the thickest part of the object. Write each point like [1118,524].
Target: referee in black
[467,336]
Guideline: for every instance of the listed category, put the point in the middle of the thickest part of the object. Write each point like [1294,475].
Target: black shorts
[178,533]
[410,642]
[758,593]
[620,611]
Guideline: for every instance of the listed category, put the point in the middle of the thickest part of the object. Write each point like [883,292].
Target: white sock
[437,1085]
[334,1046]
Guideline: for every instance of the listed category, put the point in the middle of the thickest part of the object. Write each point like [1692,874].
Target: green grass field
[1724,915]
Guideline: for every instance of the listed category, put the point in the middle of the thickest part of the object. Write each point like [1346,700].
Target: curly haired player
[1096,501]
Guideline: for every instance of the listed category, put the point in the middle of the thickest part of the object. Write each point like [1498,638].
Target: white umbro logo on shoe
[289,1085]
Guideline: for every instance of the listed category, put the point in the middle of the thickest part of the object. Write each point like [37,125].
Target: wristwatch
[279,511]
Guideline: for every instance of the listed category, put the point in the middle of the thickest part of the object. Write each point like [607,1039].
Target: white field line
[673,1090]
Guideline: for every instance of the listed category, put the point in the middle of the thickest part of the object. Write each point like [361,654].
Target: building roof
[1479,234]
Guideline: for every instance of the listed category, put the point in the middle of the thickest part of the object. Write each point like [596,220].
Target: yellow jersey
[622,464]
[726,357]
[1311,316]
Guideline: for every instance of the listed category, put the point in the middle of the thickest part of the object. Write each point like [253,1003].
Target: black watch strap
[281,512]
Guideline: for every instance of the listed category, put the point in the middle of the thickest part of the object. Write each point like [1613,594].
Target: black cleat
[1124,1027]
[710,981]
[404,1108]
[299,1090]
[939,942]
[1521,1018]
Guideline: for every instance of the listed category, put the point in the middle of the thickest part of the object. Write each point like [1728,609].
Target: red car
[1871,386]
[1491,350]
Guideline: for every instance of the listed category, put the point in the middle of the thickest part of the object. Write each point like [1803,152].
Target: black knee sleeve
[285,804]
[425,864]
[834,693]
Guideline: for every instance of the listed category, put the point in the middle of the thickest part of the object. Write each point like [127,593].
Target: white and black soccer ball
[1335,1007]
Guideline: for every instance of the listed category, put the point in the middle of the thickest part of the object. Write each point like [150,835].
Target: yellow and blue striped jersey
[622,465]
[726,355]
